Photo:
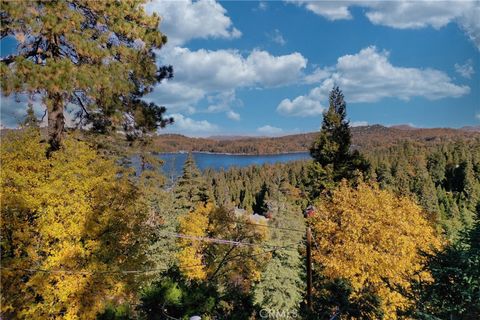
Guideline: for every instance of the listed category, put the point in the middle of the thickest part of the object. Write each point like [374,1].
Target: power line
[63,271]
[261,225]
[223,241]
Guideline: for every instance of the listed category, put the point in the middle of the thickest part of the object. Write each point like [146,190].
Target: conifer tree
[191,187]
[30,120]
[281,286]
[333,159]
[97,55]
[454,292]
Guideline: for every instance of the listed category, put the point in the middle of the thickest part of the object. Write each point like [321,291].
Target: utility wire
[63,271]
[222,241]
[260,225]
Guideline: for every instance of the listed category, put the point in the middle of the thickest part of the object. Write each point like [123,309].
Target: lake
[174,161]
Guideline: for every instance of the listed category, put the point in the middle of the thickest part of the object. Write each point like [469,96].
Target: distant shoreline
[232,154]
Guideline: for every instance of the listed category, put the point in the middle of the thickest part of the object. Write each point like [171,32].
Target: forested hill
[363,137]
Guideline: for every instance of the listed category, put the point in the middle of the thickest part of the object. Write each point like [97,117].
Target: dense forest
[362,137]
[382,223]
[395,232]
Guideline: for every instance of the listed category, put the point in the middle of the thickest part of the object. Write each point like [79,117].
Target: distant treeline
[363,137]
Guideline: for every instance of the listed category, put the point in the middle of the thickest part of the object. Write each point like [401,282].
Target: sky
[266,68]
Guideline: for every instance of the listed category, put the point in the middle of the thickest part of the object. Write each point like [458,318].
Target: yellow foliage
[369,236]
[73,211]
[228,264]
[190,255]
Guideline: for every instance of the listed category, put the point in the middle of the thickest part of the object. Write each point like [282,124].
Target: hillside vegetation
[362,137]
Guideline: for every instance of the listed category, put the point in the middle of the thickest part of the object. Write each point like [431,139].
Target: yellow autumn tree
[372,239]
[225,264]
[70,224]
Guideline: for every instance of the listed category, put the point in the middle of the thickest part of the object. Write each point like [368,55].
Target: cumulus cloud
[331,10]
[304,106]
[232,115]
[177,96]
[228,69]
[317,75]
[200,74]
[406,14]
[183,20]
[465,70]
[368,76]
[269,130]
[189,125]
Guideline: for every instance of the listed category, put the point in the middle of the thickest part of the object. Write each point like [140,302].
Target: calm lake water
[174,161]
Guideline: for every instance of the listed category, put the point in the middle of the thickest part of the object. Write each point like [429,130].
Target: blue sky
[265,68]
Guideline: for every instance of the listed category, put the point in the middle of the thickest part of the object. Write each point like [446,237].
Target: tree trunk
[56,122]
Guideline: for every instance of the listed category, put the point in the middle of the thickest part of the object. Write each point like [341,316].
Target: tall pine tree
[191,187]
[333,159]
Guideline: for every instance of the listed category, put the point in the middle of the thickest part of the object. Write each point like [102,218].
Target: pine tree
[333,159]
[281,286]
[97,55]
[30,120]
[454,290]
[191,187]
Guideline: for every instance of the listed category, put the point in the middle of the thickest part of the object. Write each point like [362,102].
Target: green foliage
[454,292]
[444,179]
[94,54]
[337,298]
[191,187]
[333,159]
[30,120]
[281,285]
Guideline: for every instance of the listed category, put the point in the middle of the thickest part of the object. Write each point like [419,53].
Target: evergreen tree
[191,187]
[454,292]
[333,159]
[281,286]
[30,120]
[97,55]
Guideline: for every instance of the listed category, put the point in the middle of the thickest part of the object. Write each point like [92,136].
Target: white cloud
[477,115]
[358,123]
[222,101]
[368,76]
[304,106]
[331,10]
[189,125]
[228,69]
[232,115]
[406,14]
[269,130]
[317,75]
[183,20]
[465,70]
[177,96]
[277,37]
[203,73]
